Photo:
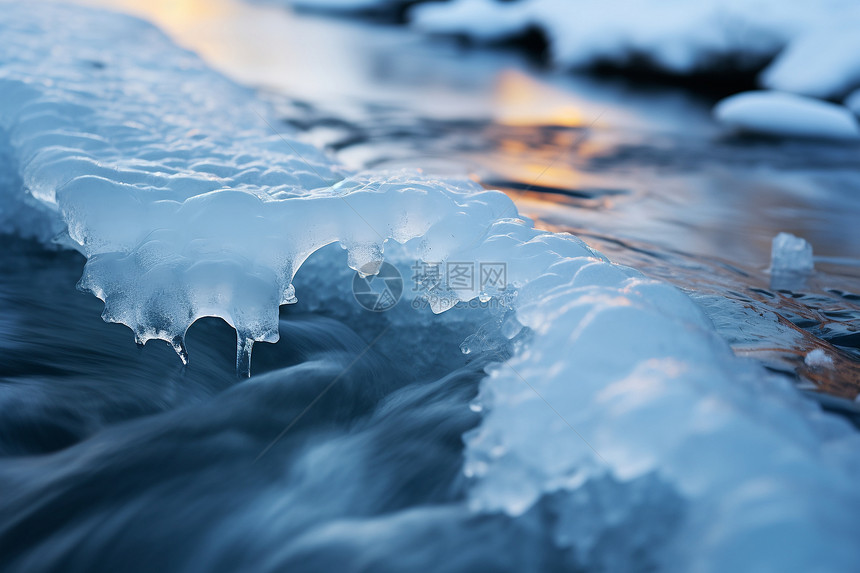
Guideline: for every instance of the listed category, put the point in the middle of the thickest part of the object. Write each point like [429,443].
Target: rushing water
[336,457]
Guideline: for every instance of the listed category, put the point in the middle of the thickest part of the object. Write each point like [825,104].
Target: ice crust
[186,205]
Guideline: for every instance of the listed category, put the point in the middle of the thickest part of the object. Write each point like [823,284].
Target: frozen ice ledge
[624,408]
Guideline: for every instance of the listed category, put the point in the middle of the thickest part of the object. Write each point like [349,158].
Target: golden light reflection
[172,15]
[522,100]
[231,37]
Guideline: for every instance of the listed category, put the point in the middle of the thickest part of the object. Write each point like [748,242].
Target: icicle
[178,344]
[244,345]
[290,295]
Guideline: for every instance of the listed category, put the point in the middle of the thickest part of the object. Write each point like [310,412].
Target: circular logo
[377,292]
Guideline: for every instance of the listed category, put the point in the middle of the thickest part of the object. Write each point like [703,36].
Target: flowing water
[336,457]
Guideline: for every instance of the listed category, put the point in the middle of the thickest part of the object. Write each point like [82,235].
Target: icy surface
[783,114]
[620,401]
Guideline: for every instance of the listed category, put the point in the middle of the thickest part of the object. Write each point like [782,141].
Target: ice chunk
[790,254]
[818,359]
[783,114]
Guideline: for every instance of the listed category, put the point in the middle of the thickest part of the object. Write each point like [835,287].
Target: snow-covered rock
[783,114]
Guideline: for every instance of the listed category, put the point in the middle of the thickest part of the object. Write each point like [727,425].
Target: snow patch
[784,114]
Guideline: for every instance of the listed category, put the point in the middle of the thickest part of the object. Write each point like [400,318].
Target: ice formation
[186,205]
[790,254]
[784,114]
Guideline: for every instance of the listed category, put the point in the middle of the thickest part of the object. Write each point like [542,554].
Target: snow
[818,359]
[620,394]
[784,114]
